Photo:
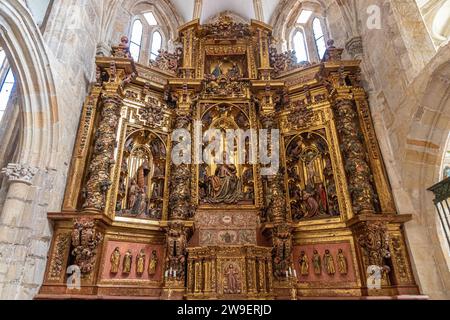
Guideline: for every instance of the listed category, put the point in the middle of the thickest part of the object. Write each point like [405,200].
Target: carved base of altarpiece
[231,273]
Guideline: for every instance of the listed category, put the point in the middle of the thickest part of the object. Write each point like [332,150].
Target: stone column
[354,153]
[100,167]
[16,234]
[19,179]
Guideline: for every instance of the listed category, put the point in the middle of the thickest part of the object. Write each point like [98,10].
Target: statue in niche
[235,72]
[317,263]
[153,264]
[127,262]
[249,189]
[132,193]
[158,149]
[331,189]
[447,172]
[115,260]
[304,264]
[217,72]
[232,280]
[342,262]
[203,181]
[224,186]
[312,187]
[140,262]
[122,185]
[140,201]
[328,263]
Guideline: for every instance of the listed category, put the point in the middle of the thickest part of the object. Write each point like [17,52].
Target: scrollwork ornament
[374,240]
[57,263]
[169,62]
[85,241]
[282,250]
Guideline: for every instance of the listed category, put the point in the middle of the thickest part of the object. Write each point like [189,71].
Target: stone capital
[354,47]
[16,172]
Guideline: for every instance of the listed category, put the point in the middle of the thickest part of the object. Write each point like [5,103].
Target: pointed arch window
[136,40]
[300,46]
[319,37]
[7,82]
[156,45]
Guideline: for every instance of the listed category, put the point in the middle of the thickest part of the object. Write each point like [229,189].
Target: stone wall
[69,46]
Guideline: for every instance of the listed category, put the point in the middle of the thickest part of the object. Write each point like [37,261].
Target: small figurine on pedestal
[115,261]
[317,262]
[328,262]
[342,262]
[140,263]
[304,265]
[127,262]
[153,264]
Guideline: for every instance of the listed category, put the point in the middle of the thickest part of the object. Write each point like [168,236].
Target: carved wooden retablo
[309,215]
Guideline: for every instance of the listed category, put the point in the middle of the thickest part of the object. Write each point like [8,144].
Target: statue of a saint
[140,263]
[328,262]
[304,265]
[127,261]
[232,281]
[115,260]
[447,172]
[132,192]
[153,264]
[225,186]
[217,72]
[235,72]
[342,262]
[317,263]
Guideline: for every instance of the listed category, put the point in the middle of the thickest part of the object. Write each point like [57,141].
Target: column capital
[22,173]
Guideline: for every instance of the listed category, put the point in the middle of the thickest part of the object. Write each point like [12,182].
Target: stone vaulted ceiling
[210,8]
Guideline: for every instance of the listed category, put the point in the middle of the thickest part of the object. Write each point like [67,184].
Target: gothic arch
[420,168]
[24,45]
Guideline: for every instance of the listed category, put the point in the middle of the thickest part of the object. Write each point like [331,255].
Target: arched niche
[223,117]
[142,176]
[311,184]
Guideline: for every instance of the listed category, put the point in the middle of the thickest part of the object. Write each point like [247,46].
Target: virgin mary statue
[224,186]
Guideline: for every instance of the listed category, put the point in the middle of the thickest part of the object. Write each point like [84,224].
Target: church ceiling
[210,8]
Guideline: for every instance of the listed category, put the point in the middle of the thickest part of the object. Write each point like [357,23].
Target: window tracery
[308,36]
[7,81]
[147,37]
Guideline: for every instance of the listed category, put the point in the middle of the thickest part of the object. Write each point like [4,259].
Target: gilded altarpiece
[136,223]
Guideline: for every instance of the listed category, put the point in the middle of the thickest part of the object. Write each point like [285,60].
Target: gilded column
[356,165]
[81,149]
[180,198]
[269,273]
[198,276]
[262,275]
[381,180]
[191,276]
[100,167]
[251,272]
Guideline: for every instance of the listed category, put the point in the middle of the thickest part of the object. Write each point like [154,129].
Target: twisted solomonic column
[99,171]
[355,158]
